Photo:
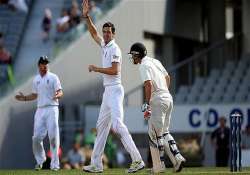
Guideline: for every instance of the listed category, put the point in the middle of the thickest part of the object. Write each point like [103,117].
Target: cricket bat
[158,165]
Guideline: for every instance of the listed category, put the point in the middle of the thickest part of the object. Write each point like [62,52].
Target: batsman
[157,109]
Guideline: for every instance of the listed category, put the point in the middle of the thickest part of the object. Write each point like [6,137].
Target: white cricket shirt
[45,87]
[152,69]
[111,53]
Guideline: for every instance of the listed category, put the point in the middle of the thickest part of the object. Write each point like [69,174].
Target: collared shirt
[45,87]
[111,53]
[152,69]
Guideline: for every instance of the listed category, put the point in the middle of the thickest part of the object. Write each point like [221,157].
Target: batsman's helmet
[43,60]
[138,49]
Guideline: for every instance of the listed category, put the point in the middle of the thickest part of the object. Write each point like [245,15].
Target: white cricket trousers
[46,120]
[111,115]
[161,114]
[158,125]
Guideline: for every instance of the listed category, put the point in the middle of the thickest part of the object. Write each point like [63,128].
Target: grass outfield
[186,171]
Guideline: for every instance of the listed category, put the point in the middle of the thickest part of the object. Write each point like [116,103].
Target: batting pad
[170,147]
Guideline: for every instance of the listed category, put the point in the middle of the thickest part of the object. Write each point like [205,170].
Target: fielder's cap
[43,60]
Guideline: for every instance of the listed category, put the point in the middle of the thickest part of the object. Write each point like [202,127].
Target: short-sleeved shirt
[111,53]
[45,87]
[152,69]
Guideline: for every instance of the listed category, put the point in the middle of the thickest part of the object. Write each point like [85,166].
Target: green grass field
[186,171]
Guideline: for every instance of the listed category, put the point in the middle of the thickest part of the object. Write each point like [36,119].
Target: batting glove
[146,109]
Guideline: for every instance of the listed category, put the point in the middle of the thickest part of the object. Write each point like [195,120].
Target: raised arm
[91,27]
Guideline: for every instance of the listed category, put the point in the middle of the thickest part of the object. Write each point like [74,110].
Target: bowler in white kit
[157,108]
[111,111]
[46,90]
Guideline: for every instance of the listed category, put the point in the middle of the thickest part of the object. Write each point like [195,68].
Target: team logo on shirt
[47,81]
[115,57]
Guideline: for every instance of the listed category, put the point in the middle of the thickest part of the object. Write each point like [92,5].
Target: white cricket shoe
[92,169]
[180,160]
[136,166]
[55,169]
[38,167]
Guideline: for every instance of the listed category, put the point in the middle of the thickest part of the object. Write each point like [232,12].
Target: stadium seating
[229,85]
[12,25]
[182,94]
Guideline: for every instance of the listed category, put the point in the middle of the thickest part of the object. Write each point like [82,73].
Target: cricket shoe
[55,169]
[38,167]
[180,160]
[136,166]
[92,169]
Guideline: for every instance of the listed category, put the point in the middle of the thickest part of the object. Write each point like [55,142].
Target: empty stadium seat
[192,98]
[215,73]
[182,94]
[241,66]
[183,90]
[231,88]
[211,80]
[204,97]
[216,98]
[226,74]
[180,99]
[235,80]
[229,85]
[199,82]
[248,98]
[240,97]
[228,98]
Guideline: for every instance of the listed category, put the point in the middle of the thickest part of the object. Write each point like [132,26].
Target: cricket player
[46,90]
[157,108]
[111,111]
